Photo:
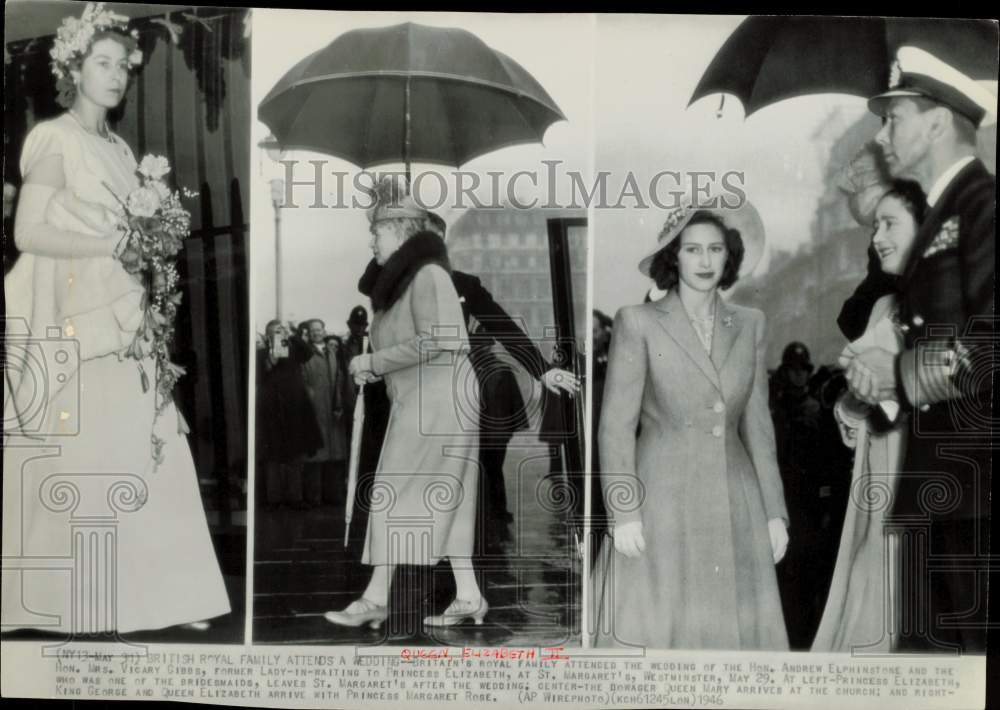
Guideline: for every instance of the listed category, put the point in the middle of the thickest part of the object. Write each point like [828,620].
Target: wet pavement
[528,572]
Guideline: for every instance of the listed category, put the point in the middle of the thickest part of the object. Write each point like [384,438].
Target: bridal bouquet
[155,225]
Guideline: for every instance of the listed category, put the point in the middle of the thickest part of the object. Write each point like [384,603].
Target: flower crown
[75,35]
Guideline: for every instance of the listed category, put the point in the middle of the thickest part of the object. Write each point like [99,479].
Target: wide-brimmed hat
[917,72]
[863,181]
[743,218]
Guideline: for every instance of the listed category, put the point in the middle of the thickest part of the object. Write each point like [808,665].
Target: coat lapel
[727,327]
[674,320]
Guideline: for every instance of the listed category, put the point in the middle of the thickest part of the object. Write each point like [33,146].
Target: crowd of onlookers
[305,406]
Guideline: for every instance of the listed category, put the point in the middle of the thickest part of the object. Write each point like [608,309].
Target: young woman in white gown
[861,603]
[96,537]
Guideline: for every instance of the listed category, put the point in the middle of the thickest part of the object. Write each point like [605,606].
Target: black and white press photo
[421,313]
[125,468]
[794,433]
[492,359]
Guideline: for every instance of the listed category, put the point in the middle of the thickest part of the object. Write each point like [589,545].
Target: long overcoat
[326,381]
[423,500]
[701,476]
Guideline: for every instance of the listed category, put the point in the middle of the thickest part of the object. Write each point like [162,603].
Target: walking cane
[352,470]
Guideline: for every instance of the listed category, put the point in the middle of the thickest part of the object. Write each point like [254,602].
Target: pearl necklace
[104,135]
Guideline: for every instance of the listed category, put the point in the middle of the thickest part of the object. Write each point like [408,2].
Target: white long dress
[861,606]
[95,537]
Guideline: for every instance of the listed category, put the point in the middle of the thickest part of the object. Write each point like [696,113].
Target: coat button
[918,321]
[717,432]
[719,407]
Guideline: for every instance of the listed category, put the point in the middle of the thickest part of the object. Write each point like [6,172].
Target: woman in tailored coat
[424,495]
[698,512]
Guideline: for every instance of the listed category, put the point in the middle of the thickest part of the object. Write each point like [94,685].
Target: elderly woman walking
[423,505]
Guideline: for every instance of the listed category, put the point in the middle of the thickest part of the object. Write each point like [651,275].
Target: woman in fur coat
[423,506]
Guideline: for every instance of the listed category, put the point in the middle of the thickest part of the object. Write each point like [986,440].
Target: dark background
[189,101]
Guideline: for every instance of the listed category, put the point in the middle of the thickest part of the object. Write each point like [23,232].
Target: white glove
[557,380]
[628,538]
[779,538]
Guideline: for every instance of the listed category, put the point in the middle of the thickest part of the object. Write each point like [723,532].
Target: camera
[279,346]
[41,376]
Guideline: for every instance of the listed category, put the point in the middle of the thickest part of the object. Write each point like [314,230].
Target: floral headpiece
[75,35]
[677,217]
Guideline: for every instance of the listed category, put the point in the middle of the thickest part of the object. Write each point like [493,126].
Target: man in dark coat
[286,428]
[325,375]
[943,377]
[502,408]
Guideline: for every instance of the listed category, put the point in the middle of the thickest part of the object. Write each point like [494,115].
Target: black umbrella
[407,93]
[771,58]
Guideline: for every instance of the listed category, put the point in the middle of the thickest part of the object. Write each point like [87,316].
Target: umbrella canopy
[407,93]
[770,58]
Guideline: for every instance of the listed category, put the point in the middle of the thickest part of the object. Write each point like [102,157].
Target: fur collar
[386,284]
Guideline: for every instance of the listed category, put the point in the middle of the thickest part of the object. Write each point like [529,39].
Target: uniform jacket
[946,308]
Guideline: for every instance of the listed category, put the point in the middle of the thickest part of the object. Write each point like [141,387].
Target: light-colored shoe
[460,610]
[360,611]
[197,626]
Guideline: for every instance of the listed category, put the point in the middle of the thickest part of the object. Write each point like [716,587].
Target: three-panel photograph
[604,335]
